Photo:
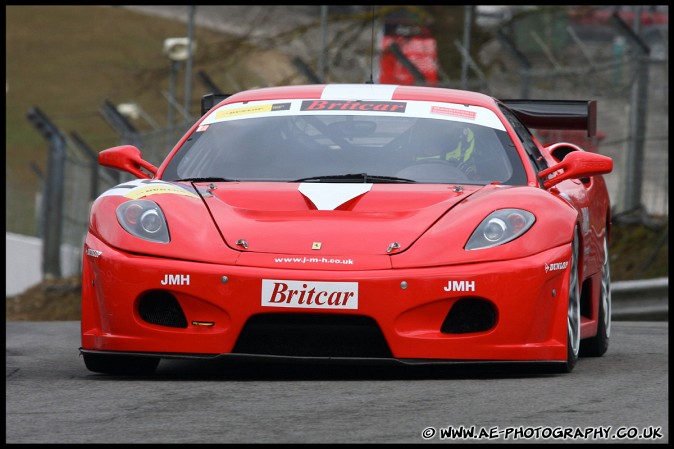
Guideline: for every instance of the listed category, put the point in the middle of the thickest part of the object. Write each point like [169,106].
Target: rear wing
[556,114]
[210,100]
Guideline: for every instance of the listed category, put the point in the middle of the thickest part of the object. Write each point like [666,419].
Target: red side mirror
[127,158]
[575,165]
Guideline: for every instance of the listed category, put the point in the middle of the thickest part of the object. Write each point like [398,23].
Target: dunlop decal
[154,190]
[139,188]
[556,266]
[257,109]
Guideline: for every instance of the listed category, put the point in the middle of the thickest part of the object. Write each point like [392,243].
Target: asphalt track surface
[51,397]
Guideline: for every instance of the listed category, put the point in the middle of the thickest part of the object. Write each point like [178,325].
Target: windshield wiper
[349,177]
[207,179]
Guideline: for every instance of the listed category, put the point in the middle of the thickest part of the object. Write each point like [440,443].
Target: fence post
[522,61]
[637,117]
[119,123]
[467,19]
[306,70]
[52,202]
[93,164]
[208,82]
[39,213]
[396,51]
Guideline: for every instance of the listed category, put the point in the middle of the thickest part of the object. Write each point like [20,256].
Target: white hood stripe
[329,196]
[358,92]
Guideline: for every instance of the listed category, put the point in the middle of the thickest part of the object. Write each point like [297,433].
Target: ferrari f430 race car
[341,223]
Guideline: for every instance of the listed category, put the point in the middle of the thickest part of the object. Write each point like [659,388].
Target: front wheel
[573,310]
[120,364]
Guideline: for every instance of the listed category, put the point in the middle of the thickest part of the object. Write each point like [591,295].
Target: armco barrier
[643,300]
[631,300]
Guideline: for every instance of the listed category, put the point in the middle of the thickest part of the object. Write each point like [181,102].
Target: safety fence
[629,82]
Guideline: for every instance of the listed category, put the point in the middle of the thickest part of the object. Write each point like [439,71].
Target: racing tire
[126,365]
[573,310]
[598,345]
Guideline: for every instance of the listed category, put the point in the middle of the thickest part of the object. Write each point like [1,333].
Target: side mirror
[575,165]
[127,158]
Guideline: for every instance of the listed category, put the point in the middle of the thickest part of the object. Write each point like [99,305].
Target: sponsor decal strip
[355,106]
[139,188]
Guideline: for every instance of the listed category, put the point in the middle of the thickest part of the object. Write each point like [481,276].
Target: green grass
[639,252]
[66,60]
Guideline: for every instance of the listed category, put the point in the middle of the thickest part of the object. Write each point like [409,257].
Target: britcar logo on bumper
[309,295]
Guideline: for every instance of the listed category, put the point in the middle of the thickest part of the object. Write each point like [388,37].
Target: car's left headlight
[144,219]
[499,227]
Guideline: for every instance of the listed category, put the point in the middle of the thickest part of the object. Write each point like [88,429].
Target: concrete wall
[23,262]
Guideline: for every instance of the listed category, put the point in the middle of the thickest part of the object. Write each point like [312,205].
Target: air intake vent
[162,308]
[312,335]
[469,315]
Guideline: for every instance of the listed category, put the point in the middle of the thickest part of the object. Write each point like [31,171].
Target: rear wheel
[120,364]
[597,345]
[573,310]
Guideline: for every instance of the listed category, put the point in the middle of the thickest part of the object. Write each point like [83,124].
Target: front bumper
[409,306]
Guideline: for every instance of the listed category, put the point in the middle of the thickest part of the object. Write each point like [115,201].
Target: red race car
[354,223]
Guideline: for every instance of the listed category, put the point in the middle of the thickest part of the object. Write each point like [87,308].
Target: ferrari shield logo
[316,245]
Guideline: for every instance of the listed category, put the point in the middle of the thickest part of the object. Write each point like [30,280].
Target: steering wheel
[434,170]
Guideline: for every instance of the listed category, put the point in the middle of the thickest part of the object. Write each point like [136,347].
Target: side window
[535,157]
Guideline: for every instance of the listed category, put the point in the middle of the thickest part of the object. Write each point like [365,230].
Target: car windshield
[287,141]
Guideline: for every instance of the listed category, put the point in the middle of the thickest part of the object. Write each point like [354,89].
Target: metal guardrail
[643,300]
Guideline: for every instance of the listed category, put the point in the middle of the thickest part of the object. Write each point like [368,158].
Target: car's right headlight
[144,219]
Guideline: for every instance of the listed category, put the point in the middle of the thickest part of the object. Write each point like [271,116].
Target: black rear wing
[556,114]
[210,100]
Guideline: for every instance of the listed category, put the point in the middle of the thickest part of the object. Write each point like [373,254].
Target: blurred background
[80,79]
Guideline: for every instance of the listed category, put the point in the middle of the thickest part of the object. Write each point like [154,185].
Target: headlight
[144,219]
[499,227]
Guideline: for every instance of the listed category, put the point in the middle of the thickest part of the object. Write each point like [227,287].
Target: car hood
[327,218]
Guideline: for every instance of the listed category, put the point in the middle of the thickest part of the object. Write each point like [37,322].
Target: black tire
[573,310]
[126,365]
[598,345]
